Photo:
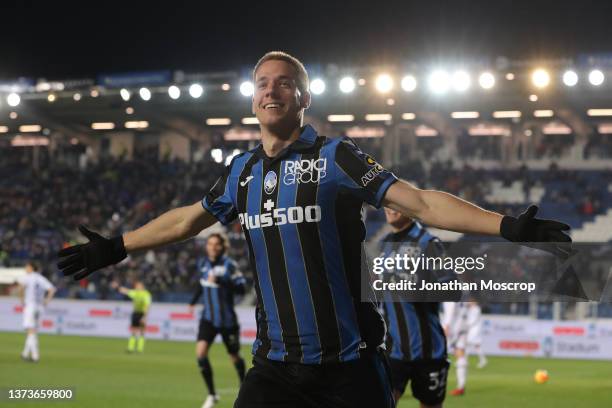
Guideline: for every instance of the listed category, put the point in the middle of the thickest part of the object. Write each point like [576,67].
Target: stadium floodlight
[76,97]
[347,84]
[250,121]
[102,125]
[129,110]
[217,155]
[4,129]
[460,81]
[543,113]
[486,80]
[136,124]
[317,86]
[409,83]
[51,98]
[13,99]
[247,88]
[125,94]
[226,87]
[340,118]
[145,94]
[599,112]
[384,83]
[570,78]
[13,115]
[506,114]
[218,121]
[465,115]
[196,90]
[378,117]
[408,116]
[540,78]
[174,92]
[439,81]
[30,128]
[596,77]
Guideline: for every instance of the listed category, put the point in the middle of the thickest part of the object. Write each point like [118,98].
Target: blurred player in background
[35,292]
[474,335]
[461,322]
[220,281]
[141,299]
[416,343]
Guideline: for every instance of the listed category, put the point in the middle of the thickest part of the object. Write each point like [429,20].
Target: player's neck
[275,140]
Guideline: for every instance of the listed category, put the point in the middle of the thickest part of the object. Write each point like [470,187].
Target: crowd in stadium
[40,209]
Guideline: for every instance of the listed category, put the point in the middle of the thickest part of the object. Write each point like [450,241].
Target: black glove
[83,259]
[535,232]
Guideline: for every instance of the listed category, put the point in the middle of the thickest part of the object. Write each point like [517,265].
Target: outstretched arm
[445,211]
[173,226]
[441,210]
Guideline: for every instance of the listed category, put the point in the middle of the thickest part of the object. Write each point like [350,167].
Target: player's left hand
[535,232]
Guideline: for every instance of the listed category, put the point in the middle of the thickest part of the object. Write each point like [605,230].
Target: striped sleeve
[360,175]
[219,202]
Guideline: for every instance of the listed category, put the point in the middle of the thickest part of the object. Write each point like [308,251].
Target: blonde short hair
[300,71]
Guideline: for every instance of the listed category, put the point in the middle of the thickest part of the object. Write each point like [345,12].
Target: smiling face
[277,102]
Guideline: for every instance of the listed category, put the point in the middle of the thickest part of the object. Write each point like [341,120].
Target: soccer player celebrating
[298,196]
[141,299]
[416,341]
[35,292]
[219,281]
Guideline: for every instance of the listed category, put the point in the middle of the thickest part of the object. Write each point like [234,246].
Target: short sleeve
[219,202]
[46,284]
[131,294]
[360,175]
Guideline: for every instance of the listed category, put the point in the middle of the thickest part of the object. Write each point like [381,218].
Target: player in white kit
[36,292]
[461,322]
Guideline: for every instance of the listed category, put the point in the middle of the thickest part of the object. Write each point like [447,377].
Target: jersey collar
[307,139]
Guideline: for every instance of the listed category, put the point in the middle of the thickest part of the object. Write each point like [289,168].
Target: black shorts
[231,335]
[137,320]
[427,378]
[364,382]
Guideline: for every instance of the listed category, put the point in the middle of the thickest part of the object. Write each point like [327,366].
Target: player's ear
[305,100]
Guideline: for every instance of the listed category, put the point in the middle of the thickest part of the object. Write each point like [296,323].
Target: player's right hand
[81,260]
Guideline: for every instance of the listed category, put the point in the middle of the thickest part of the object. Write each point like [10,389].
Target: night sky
[45,39]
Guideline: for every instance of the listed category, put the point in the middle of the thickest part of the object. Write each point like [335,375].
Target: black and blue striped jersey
[301,215]
[414,329]
[218,297]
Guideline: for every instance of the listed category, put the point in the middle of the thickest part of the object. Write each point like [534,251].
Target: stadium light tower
[570,78]
[174,92]
[196,90]
[596,77]
[145,94]
[384,83]
[486,80]
[540,78]
[347,84]
[460,81]
[409,83]
[439,81]
[13,99]
[247,88]
[125,94]
[317,86]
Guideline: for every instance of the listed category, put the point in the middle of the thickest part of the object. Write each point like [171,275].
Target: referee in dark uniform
[298,197]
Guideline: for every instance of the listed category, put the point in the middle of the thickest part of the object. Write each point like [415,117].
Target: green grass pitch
[166,375]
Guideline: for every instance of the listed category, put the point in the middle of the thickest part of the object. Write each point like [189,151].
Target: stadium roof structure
[478,95]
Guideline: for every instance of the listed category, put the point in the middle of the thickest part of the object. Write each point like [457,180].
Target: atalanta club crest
[270,182]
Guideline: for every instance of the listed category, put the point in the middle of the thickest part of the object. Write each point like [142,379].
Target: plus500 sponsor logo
[281,216]
[304,171]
